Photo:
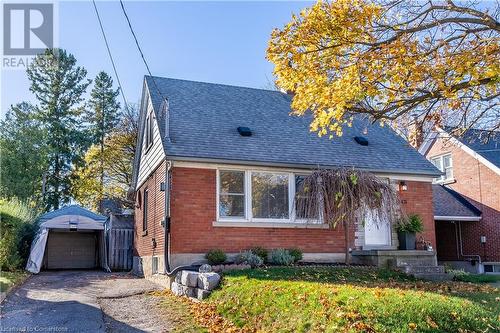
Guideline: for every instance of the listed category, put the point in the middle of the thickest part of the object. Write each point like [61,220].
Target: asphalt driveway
[82,301]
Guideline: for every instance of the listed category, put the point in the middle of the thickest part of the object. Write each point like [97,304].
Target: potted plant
[407,229]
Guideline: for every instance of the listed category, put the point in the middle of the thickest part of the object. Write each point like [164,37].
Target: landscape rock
[189,278]
[176,289]
[208,281]
[201,294]
[178,277]
[205,268]
[189,291]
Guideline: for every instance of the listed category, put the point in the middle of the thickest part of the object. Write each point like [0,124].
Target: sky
[222,42]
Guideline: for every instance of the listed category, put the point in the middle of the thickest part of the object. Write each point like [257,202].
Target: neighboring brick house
[466,198]
[218,187]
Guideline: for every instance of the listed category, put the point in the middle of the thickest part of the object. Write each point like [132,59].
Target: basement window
[154,265]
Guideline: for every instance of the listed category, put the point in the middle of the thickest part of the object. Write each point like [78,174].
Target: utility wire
[110,55]
[140,51]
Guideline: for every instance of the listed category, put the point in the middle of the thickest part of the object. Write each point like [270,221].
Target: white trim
[469,151]
[269,224]
[304,171]
[442,179]
[291,221]
[457,218]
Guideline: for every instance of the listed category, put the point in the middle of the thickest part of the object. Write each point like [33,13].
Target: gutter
[457,218]
[302,166]
[458,230]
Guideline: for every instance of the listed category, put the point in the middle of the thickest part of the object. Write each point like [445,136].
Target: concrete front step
[434,276]
[423,269]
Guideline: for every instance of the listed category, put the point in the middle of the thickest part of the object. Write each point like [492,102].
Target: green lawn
[325,299]
[8,279]
[478,278]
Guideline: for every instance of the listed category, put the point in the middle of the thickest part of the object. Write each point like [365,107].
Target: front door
[377,233]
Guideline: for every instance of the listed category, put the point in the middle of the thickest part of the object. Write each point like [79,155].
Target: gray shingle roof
[203,121]
[447,202]
[485,143]
[71,210]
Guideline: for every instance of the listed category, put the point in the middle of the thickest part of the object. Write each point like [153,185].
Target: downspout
[166,228]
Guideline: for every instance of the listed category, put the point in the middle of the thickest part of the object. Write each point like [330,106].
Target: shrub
[412,224]
[281,257]
[296,254]
[16,233]
[250,258]
[216,257]
[260,251]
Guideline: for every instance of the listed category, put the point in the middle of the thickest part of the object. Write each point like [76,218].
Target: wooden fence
[120,249]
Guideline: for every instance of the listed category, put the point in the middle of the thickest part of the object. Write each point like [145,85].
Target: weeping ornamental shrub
[281,257]
[17,229]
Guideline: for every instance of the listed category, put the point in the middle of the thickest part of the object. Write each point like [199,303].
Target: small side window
[145,211]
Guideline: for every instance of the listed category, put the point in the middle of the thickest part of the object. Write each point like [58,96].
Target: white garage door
[71,250]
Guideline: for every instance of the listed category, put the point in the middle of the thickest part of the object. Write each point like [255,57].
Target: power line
[110,55]
[140,51]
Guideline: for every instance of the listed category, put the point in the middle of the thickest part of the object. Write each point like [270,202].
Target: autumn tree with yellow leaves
[438,61]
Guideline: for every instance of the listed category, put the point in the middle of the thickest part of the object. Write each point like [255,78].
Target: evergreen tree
[58,84]
[102,116]
[23,154]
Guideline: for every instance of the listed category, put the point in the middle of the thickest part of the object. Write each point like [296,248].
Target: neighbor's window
[445,164]
[270,195]
[232,194]
[145,211]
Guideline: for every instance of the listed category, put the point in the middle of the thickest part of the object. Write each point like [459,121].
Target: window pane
[299,180]
[437,163]
[232,205]
[232,182]
[447,161]
[449,173]
[270,195]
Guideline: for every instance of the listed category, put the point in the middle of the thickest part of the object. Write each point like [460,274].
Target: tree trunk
[346,236]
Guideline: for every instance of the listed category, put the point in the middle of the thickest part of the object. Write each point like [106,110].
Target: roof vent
[361,140]
[244,131]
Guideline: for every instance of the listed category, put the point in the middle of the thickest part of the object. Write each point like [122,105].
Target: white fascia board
[469,151]
[457,218]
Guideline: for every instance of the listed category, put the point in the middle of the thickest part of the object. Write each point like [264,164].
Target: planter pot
[407,241]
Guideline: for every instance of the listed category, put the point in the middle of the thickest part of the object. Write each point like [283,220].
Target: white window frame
[248,198]
[442,178]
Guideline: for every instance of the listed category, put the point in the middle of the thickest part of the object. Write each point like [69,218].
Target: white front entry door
[377,233]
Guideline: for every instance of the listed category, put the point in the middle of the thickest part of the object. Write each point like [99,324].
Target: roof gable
[72,210]
[204,117]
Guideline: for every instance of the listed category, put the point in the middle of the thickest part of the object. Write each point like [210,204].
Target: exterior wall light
[403,186]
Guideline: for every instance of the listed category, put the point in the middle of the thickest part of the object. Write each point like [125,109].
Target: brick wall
[143,242]
[480,185]
[193,210]
[418,200]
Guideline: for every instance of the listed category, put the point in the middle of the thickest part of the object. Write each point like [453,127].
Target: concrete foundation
[394,258]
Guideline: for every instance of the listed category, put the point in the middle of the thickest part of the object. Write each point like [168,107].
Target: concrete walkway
[81,301]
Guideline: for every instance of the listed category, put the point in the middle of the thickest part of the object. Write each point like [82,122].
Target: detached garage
[69,238]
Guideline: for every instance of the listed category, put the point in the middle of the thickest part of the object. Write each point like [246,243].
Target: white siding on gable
[150,158]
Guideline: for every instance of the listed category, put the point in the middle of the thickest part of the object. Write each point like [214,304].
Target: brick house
[216,167]
[466,199]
